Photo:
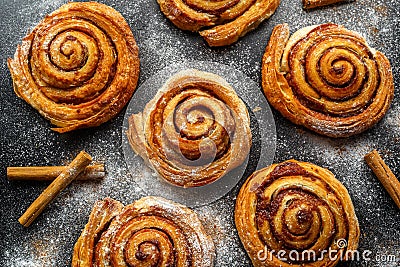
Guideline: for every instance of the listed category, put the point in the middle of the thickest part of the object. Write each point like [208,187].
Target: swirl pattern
[308,4]
[327,79]
[220,22]
[298,208]
[78,67]
[150,232]
[194,130]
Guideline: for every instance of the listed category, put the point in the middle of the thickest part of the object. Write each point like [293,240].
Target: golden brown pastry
[308,4]
[220,22]
[149,232]
[295,207]
[78,67]
[194,131]
[327,79]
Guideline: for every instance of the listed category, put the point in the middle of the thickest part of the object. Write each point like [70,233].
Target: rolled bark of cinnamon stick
[60,183]
[385,175]
[49,173]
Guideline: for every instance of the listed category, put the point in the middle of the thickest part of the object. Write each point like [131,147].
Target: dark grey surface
[26,138]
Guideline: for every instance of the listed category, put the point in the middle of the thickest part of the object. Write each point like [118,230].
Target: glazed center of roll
[194,120]
[211,6]
[337,71]
[198,127]
[299,213]
[69,53]
[299,220]
[342,71]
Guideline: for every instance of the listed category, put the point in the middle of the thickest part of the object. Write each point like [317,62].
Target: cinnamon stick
[385,175]
[61,182]
[308,4]
[49,173]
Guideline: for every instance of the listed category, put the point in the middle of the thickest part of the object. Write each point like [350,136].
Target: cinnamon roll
[78,67]
[296,214]
[219,22]
[149,232]
[327,79]
[194,131]
[308,4]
